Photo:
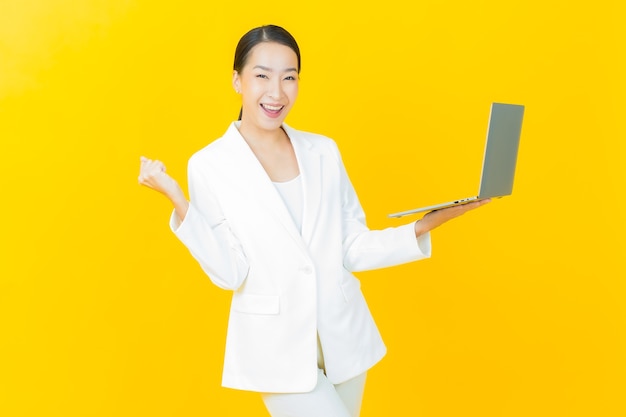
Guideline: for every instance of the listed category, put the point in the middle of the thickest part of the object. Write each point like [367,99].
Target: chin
[271,124]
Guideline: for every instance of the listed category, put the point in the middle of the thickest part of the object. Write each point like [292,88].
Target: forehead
[272,55]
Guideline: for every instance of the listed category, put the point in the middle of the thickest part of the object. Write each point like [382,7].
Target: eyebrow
[270,70]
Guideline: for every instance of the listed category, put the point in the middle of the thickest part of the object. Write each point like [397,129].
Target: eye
[290,78]
[261,76]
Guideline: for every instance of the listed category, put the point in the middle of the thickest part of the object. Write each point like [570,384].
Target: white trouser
[326,399]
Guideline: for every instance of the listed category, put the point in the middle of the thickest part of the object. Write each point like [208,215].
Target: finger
[151,166]
[475,204]
[160,166]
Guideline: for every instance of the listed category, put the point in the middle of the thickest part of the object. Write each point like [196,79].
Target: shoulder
[216,149]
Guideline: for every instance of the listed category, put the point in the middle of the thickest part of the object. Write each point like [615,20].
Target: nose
[275,90]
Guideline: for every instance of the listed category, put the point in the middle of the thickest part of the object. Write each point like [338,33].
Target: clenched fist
[152,175]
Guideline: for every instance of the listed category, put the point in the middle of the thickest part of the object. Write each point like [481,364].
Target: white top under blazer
[288,286]
[291,193]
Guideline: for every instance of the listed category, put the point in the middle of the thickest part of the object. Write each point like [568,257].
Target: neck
[257,137]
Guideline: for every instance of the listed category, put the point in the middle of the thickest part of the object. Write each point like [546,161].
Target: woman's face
[268,84]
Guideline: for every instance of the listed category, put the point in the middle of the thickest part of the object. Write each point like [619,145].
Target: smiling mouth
[272,109]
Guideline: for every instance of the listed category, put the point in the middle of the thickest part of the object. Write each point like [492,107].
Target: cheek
[252,91]
[292,91]
[251,84]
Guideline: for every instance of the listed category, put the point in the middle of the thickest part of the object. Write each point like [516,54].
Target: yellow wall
[521,310]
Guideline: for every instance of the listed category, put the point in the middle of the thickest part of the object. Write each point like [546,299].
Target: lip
[272,113]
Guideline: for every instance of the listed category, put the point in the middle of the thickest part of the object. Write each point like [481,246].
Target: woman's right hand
[152,175]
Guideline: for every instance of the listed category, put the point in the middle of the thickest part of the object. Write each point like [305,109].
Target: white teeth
[271,108]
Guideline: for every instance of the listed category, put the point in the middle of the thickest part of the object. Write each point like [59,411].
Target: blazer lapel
[251,177]
[310,164]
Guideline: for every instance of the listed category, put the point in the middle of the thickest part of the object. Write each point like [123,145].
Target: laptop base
[435,207]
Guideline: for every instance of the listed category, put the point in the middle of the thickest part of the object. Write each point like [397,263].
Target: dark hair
[267,33]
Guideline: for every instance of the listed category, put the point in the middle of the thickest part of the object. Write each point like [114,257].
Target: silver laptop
[499,160]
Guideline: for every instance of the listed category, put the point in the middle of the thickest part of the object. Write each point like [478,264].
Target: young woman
[274,218]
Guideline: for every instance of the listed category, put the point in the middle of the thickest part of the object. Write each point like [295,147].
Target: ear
[236,82]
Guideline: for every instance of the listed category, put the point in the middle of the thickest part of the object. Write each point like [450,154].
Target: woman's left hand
[438,217]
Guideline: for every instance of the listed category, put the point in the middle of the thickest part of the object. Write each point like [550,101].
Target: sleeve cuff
[415,248]
[424,244]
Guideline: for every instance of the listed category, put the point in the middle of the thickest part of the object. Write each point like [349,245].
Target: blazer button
[307,269]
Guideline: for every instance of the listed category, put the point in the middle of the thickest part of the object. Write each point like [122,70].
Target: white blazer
[288,287]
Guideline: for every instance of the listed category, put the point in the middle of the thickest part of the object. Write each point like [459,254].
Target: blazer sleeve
[208,236]
[365,249]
